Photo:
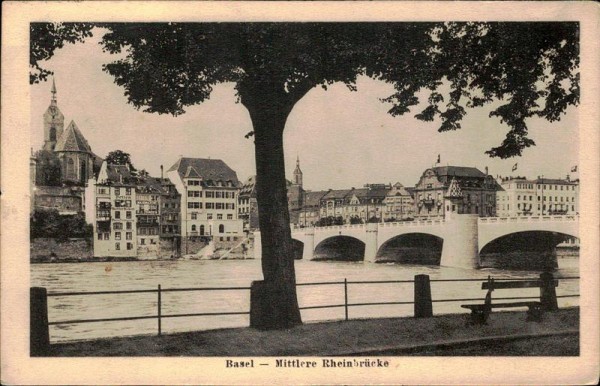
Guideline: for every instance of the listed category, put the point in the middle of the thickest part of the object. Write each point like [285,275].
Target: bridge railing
[422,301]
[528,219]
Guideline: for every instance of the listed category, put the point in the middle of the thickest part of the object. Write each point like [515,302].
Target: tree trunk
[274,303]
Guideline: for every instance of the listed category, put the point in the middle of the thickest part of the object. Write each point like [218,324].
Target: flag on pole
[574,169]
[515,166]
[439,159]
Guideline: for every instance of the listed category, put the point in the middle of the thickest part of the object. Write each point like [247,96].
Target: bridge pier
[461,245]
[371,242]
[309,244]
[257,246]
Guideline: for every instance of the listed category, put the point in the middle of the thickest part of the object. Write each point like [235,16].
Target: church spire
[53,91]
[298,172]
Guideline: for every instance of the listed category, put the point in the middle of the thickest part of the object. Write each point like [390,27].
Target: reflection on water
[240,273]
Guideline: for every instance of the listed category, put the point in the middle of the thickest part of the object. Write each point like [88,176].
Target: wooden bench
[481,312]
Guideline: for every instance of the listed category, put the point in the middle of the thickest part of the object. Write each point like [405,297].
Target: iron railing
[346,304]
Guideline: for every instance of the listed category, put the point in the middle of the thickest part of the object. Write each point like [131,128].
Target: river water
[140,275]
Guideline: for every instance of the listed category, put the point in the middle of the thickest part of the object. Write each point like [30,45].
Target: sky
[343,139]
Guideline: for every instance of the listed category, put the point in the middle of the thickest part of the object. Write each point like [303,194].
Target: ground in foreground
[507,333]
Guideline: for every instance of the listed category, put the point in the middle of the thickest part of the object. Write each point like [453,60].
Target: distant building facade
[478,191]
[399,204]
[209,200]
[130,215]
[537,197]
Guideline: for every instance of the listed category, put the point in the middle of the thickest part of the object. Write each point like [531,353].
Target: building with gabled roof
[209,201]
[478,191]
[133,215]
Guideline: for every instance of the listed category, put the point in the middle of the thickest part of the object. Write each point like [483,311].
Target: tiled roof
[72,140]
[458,171]
[119,174]
[207,169]
[313,198]
[337,194]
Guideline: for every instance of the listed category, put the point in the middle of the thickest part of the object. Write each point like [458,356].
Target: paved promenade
[507,333]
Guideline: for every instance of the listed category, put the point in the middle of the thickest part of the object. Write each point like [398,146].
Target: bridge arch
[340,248]
[527,249]
[411,248]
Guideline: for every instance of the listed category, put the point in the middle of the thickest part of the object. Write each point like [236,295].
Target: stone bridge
[464,235]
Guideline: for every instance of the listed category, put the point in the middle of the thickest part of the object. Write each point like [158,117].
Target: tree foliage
[48,171]
[46,38]
[50,224]
[119,157]
[530,67]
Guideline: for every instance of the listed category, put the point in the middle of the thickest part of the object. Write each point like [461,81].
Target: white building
[111,209]
[209,198]
[539,197]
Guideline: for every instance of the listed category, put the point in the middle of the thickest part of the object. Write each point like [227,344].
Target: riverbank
[507,333]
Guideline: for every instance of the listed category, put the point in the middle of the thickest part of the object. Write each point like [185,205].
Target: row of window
[126,190]
[118,246]
[194,229]
[544,186]
[209,216]
[541,207]
[216,183]
[211,205]
[211,194]
[119,226]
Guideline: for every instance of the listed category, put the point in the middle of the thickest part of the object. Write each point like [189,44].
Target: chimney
[486,170]
[161,172]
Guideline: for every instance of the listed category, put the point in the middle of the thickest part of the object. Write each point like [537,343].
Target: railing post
[159,312]
[423,306]
[39,335]
[346,297]
[548,292]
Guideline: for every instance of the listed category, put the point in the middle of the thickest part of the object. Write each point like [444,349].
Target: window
[128,235]
[194,193]
[99,236]
[193,228]
[143,241]
[117,235]
[194,216]
[118,226]
[70,168]
[210,205]
[219,216]
[117,215]
[127,191]
[194,205]
[129,246]
[230,216]
[201,230]
[118,246]
[221,228]
[128,225]
[209,216]
[210,194]
[117,191]
[128,214]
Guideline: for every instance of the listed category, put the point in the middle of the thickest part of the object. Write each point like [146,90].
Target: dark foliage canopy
[50,224]
[531,67]
[119,157]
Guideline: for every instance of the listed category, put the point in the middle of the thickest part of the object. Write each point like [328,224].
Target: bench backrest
[493,284]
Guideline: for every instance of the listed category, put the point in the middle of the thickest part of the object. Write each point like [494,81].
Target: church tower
[298,173]
[54,122]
